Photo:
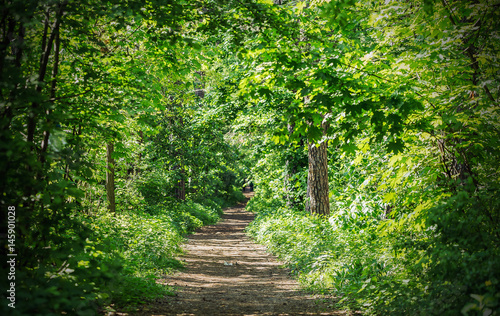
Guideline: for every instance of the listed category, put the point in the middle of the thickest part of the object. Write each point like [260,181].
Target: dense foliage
[125,126]
[413,180]
[108,155]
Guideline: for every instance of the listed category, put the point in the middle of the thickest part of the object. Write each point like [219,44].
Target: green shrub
[384,268]
[144,241]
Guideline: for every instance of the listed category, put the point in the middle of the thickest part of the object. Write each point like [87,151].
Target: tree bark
[290,171]
[52,96]
[44,61]
[110,177]
[180,190]
[317,180]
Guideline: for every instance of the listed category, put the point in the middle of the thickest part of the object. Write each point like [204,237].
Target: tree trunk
[290,171]
[44,61]
[137,168]
[180,188]
[55,70]
[110,177]
[180,191]
[317,180]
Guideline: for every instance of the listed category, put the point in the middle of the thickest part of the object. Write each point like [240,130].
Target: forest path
[228,274]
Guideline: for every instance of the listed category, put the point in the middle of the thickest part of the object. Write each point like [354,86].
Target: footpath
[228,274]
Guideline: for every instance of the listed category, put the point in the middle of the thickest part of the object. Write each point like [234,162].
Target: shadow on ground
[228,274]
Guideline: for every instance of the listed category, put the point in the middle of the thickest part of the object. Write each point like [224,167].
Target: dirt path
[228,274]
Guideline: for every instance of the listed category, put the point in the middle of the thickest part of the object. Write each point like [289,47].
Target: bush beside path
[228,274]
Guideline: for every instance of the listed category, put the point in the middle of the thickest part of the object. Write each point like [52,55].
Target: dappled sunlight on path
[228,274]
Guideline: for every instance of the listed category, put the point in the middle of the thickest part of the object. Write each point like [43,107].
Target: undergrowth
[116,265]
[369,269]
[146,243]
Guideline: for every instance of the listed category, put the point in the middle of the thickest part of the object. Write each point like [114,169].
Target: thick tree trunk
[317,180]
[110,177]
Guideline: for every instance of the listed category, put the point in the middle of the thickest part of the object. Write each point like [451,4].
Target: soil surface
[228,274]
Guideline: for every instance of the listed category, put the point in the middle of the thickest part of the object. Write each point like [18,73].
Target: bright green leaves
[409,91]
[338,12]
[322,84]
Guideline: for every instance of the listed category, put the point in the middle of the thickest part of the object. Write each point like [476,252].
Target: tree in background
[411,92]
[80,95]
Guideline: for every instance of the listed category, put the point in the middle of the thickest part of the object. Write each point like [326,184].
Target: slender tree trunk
[110,177]
[55,70]
[137,168]
[180,191]
[44,61]
[290,171]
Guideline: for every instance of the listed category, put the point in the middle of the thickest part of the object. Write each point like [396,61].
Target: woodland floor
[228,274]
